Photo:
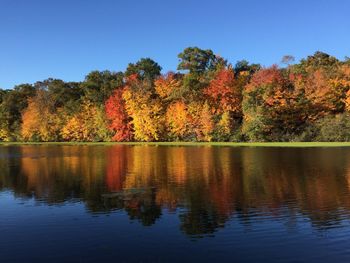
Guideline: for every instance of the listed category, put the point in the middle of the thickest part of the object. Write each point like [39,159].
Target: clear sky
[68,38]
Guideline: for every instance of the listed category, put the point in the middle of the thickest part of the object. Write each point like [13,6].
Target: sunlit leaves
[39,121]
[224,93]
[201,121]
[207,100]
[146,115]
[118,117]
[89,124]
[167,85]
[176,120]
[271,106]
[198,61]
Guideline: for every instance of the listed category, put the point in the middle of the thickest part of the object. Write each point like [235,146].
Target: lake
[124,203]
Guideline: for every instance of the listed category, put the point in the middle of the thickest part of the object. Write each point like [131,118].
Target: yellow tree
[39,120]
[166,85]
[146,114]
[176,120]
[341,84]
[206,124]
[73,130]
[5,135]
[322,95]
[224,127]
[200,120]
[89,124]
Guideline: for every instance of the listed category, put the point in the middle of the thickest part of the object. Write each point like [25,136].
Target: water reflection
[204,186]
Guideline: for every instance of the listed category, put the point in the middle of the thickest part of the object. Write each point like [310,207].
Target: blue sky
[68,38]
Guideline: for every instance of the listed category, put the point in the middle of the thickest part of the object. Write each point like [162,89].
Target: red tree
[224,92]
[118,117]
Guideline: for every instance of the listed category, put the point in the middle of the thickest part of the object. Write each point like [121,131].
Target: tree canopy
[208,99]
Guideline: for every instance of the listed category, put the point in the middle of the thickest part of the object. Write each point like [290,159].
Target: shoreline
[222,144]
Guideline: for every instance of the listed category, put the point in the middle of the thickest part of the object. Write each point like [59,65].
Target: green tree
[13,103]
[333,128]
[319,60]
[197,60]
[244,66]
[146,69]
[98,86]
[62,94]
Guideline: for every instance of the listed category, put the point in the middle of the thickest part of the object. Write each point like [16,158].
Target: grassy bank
[230,144]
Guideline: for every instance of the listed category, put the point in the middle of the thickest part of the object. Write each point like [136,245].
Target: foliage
[99,85]
[167,86]
[197,60]
[273,107]
[11,107]
[118,117]
[200,121]
[223,129]
[224,93]
[146,115]
[40,121]
[89,124]
[334,128]
[146,69]
[243,66]
[209,100]
[176,121]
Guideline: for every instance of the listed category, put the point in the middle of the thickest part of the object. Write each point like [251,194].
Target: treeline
[208,99]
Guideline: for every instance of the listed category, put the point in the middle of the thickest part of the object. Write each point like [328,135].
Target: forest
[206,99]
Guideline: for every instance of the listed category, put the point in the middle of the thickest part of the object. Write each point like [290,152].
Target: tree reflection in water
[205,186]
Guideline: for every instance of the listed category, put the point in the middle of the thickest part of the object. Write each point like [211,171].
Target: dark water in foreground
[161,204]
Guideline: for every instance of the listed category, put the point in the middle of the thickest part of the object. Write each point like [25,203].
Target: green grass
[230,144]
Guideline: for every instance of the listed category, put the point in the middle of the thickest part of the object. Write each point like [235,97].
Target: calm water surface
[167,204]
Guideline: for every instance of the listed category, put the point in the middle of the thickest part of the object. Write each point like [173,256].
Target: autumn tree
[176,121]
[319,60]
[322,95]
[224,94]
[88,124]
[13,103]
[40,120]
[168,86]
[272,106]
[119,121]
[208,100]
[321,78]
[224,127]
[344,82]
[146,111]
[200,121]
[206,127]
